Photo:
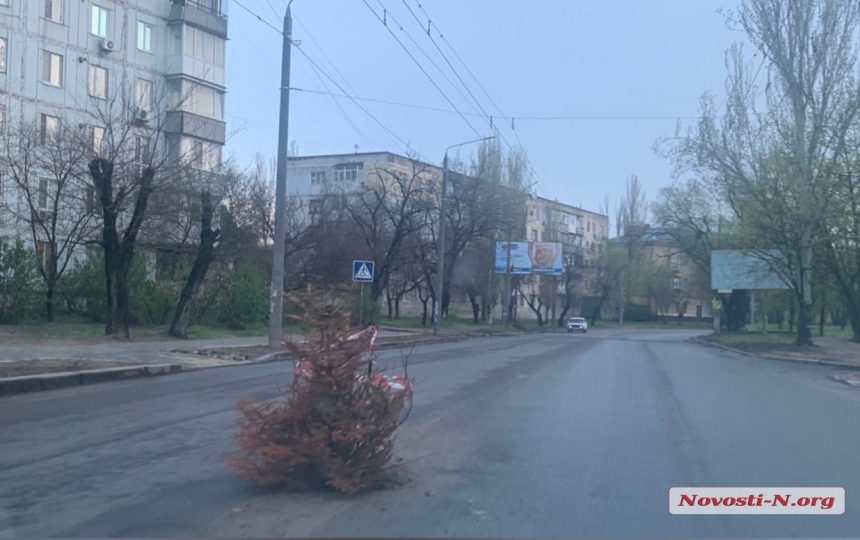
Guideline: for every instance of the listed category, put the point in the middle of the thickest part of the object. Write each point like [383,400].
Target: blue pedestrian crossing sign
[362,271]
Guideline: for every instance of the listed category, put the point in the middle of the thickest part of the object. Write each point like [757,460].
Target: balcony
[193,125]
[207,14]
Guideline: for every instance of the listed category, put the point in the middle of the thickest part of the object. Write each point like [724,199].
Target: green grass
[671,324]
[829,330]
[729,338]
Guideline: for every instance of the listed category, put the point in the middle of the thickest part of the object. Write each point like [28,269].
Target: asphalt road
[551,436]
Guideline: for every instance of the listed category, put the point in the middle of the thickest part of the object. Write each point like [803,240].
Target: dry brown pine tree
[332,429]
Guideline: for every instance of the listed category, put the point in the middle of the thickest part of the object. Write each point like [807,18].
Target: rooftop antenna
[356,148]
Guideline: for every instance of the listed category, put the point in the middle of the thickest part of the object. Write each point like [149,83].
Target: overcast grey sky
[610,58]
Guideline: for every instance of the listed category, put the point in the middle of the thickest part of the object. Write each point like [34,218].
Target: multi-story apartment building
[314,180]
[580,232]
[658,258]
[61,61]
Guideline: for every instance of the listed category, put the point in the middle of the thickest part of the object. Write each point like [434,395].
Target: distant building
[686,290]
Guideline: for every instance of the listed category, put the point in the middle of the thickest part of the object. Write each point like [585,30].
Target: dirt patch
[23,368]
[232,354]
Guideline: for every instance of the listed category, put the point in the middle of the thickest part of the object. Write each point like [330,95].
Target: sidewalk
[136,352]
[828,351]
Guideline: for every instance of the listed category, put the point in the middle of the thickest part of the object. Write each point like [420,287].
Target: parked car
[577,324]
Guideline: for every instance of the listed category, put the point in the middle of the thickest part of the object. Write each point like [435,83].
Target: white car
[577,324]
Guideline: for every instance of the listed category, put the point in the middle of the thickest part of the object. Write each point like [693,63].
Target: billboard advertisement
[736,270]
[527,258]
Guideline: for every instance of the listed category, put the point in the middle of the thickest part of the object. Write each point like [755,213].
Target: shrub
[244,300]
[639,313]
[332,429]
[84,286]
[19,283]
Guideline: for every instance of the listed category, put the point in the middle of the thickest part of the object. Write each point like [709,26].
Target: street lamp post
[440,247]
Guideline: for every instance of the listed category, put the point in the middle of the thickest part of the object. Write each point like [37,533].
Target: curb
[841,378]
[53,381]
[811,361]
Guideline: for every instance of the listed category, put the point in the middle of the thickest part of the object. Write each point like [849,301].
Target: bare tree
[384,213]
[46,162]
[133,164]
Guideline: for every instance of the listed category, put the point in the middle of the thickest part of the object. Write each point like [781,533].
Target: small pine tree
[334,428]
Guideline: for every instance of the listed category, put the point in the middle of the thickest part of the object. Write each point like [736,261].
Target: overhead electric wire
[336,70]
[330,78]
[478,103]
[515,153]
[430,58]
[267,23]
[466,120]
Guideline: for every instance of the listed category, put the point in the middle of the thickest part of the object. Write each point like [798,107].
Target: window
[206,102]
[45,252]
[588,229]
[315,206]
[54,10]
[2,118]
[99,22]
[143,94]
[211,157]
[2,55]
[50,127]
[94,202]
[96,138]
[144,36]
[676,283]
[175,40]
[204,46]
[346,175]
[52,68]
[98,83]
[317,177]
[197,154]
[534,235]
[141,151]
[43,194]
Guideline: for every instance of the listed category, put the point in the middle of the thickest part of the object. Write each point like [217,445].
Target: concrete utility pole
[440,241]
[440,248]
[506,304]
[276,306]
[623,294]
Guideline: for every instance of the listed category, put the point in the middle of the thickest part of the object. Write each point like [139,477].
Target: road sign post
[362,272]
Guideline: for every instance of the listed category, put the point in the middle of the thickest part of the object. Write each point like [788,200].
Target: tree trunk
[389,304]
[118,254]
[397,306]
[205,254]
[821,319]
[804,334]
[563,315]
[855,325]
[424,311]
[49,301]
[476,307]
[792,316]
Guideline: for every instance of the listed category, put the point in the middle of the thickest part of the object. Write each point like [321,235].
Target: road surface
[551,435]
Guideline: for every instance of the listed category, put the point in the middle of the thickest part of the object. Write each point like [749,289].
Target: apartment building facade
[581,233]
[686,291]
[162,61]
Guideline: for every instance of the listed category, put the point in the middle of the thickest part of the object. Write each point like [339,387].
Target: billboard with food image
[527,258]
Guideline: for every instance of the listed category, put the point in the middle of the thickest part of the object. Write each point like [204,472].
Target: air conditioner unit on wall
[106,45]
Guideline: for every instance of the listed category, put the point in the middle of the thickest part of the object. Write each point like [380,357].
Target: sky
[612,59]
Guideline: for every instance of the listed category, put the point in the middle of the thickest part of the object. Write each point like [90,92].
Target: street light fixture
[440,248]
